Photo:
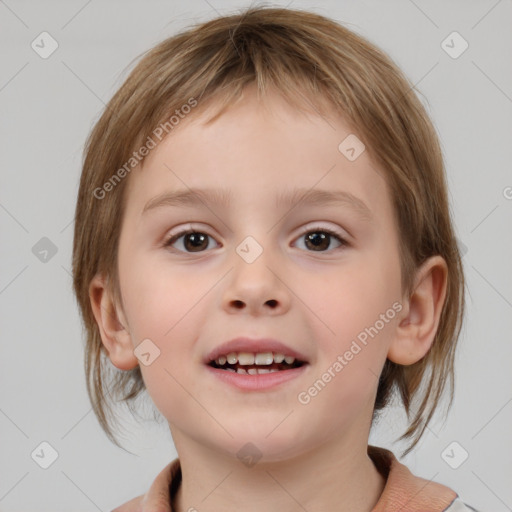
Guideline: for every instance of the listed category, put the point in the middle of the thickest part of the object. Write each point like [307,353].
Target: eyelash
[314,229]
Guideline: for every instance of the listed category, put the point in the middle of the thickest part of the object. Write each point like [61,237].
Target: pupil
[196,238]
[317,239]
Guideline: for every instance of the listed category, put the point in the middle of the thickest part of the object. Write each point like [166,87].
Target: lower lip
[259,382]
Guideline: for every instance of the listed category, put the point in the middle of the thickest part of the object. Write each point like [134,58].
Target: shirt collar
[403,490]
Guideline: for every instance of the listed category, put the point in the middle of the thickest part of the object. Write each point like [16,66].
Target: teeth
[248,359]
[264,358]
[252,371]
[278,358]
[245,358]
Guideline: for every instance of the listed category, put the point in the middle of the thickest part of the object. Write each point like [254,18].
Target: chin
[266,444]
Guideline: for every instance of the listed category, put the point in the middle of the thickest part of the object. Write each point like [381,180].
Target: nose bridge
[254,255]
[258,237]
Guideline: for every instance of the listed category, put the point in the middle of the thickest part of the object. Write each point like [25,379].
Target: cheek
[352,297]
[161,308]
[159,299]
[358,309]
[166,306]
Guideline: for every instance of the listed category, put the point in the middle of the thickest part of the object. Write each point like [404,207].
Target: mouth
[256,365]
[248,363]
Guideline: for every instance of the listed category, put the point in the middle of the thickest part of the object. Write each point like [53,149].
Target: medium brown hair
[313,62]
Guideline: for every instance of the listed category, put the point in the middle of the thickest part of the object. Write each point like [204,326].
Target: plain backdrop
[48,106]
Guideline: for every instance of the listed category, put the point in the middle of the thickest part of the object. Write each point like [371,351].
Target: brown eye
[193,241]
[319,239]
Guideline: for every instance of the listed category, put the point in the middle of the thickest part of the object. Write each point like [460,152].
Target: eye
[193,241]
[319,239]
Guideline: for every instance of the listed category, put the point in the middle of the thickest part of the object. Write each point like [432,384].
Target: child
[329,275]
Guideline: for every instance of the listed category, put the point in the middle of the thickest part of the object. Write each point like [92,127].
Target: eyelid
[185,230]
[190,227]
[343,235]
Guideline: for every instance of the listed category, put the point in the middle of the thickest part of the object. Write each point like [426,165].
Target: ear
[419,318]
[112,325]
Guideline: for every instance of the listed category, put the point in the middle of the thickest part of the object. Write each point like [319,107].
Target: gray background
[48,107]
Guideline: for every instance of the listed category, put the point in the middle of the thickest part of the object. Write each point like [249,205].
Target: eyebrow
[291,198]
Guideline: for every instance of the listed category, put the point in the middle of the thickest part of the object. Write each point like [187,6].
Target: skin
[316,301]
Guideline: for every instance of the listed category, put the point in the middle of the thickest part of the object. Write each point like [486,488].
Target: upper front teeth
[261,358]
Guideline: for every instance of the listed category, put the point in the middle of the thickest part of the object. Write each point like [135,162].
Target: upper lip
[253,346]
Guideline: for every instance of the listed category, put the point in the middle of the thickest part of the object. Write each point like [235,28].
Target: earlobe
[114,333]
[420,316]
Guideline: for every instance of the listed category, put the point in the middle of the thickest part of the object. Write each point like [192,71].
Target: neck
[335,476]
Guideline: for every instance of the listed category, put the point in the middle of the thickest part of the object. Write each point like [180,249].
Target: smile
[247,363]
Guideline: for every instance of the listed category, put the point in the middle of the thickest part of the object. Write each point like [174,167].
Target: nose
[257,287]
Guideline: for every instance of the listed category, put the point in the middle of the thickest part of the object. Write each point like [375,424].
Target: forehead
[257,152]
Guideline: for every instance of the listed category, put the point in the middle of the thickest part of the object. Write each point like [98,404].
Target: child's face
[314,296]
